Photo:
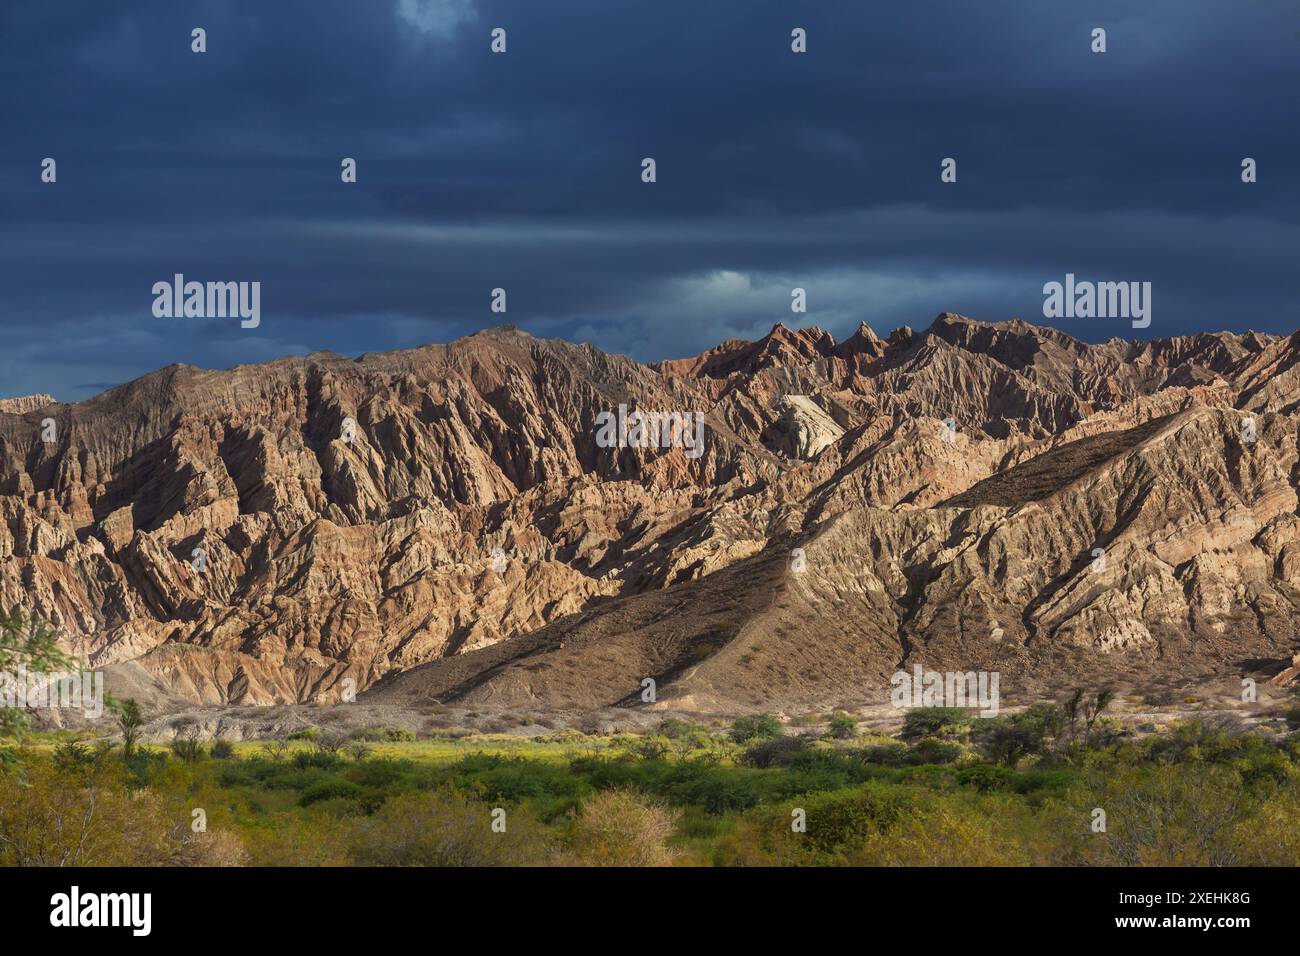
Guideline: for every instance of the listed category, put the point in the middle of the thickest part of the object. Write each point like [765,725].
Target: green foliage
[986,777]
[221,749]
[932,750]
[445,828]
[27,643]
[675,727]
[843,726]
[1006,739]
[757,727]
[1208,792]
[188,748]
[129,721]
[304,759]
[333,788]
[649,748]
[935,722]
[777,752]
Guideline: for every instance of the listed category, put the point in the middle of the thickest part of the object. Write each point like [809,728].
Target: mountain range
[440,523]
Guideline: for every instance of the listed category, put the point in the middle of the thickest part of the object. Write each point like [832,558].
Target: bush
[841,820]
[222,749]
[1155,816]
[329,743]
[935,722]
[843,726]
[617,828]
[778,752]
[1005,740]
[675,727]
[329,790]
[893,754]
[649,748]
[947,834]
[358,750]
[82,816]
[1293,718]
[986,777]
[305,759]
[935,751]
[444,828]
[758,727]
[72,756]
[188,749]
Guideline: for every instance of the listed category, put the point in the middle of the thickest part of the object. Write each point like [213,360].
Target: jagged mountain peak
[449,520]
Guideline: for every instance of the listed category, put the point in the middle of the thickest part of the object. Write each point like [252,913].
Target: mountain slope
[443,522]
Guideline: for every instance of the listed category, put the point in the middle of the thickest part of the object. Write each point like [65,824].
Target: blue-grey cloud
[522,170]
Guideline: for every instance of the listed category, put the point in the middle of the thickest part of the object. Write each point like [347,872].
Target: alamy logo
[82,691]
[950,689]
[638,429]
[1099,300]
[103,909]
[208,300]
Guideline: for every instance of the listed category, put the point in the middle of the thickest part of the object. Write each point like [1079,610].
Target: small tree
[1092,710]
[1072,706]
[276,748]
[758,727]
[187,747]
[329,742]
[358,750]
[130,720]
[935,722]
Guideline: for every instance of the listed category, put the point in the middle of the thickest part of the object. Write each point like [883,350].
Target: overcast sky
[523,170]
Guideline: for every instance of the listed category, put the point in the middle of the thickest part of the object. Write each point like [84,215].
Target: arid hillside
[444,524]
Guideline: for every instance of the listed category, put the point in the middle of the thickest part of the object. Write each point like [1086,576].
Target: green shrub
[777,752]
[843,726]
[932,750]
[986,778]
[222,749]
[893,754]
[1005,740]
[935,722]
[649,748]
[329,790]
[675,727]
[757,727]
[444,828]
[841,819]
[311,758]
[188,749]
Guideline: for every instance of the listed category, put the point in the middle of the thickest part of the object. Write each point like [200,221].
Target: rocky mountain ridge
[441,523]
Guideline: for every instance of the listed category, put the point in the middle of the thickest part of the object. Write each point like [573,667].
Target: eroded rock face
[25,403]
[803,429]
[441,522]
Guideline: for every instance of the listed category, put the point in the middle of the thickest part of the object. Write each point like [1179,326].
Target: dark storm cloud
[522,170]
